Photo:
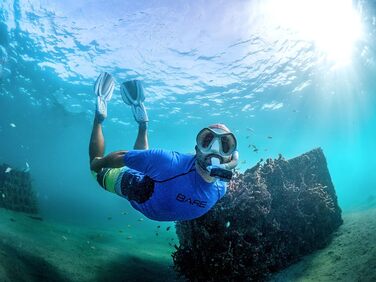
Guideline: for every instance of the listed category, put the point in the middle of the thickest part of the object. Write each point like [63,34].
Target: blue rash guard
[180,193]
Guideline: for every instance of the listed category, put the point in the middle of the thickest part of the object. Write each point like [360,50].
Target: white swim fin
[103,88]
[132,93]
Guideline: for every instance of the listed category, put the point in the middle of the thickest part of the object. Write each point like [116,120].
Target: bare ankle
[143,126]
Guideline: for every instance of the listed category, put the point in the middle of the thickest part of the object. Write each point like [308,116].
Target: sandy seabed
[351,256]
[34,250]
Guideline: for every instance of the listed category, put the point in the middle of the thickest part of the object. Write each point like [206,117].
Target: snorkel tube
[224,171]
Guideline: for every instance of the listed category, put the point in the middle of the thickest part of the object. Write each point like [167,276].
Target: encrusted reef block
[16,191]
[271,216]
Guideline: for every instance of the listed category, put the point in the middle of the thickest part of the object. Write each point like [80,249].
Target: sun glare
[333,25]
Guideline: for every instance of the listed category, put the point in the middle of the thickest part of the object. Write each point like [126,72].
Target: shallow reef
[272,215]
[16,192]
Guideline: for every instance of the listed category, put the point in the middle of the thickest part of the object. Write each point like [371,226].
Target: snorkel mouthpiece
[221,173]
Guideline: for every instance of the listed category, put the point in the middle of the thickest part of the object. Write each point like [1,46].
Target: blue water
[201,62]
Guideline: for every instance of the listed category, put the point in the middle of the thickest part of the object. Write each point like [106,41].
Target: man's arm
[112,160]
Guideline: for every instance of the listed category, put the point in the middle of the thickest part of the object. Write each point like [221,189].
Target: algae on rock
[16,192]
[271,216]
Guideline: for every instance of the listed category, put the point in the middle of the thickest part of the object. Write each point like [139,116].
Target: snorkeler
[163,185]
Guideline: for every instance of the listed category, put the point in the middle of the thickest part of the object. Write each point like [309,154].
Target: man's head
[215,144]
[220,126]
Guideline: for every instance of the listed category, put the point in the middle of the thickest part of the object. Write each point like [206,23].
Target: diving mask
[216,141]
[216,151]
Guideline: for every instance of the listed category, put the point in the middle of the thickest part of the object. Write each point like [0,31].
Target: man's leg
[96,146]
[142,137]
[132,93]
[103,88]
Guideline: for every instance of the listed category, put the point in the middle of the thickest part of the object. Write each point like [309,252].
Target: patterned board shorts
[127,183]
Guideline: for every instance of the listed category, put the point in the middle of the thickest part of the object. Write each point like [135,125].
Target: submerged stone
[279,211]
[16,190]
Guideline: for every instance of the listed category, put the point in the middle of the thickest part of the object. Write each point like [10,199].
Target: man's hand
[97,164]
[112,160]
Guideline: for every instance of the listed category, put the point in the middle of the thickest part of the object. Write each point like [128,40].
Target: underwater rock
[16,190]
[278,212]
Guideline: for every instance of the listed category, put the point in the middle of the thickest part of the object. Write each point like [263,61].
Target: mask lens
[205,138]
[228,144]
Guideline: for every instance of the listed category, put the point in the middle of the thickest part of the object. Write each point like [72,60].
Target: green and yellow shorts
[128,183]
[107,178]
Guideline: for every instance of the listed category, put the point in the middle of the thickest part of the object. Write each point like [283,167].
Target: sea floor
[34,250]
[351,256]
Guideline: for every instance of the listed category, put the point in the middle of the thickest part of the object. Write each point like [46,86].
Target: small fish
[158,226]
[156,234]
[124,212]
[140,219]
[270,137]
[250,129]
[168,228]
[109,218]
[247,137]
[12,219]
[12,125]
[129,226]
[120,231]
[243,162]
[3,195]
[8,169]
[228,224]
[129,237]
[92,247]
[27,168]
[65,238]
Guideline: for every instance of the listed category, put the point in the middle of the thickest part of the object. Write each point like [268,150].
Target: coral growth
[271,216]
[16,191]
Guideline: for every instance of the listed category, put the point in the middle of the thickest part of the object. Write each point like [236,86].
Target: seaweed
[16,192]
[272,215]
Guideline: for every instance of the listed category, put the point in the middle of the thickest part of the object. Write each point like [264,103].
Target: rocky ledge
[16,191]
[272,215]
